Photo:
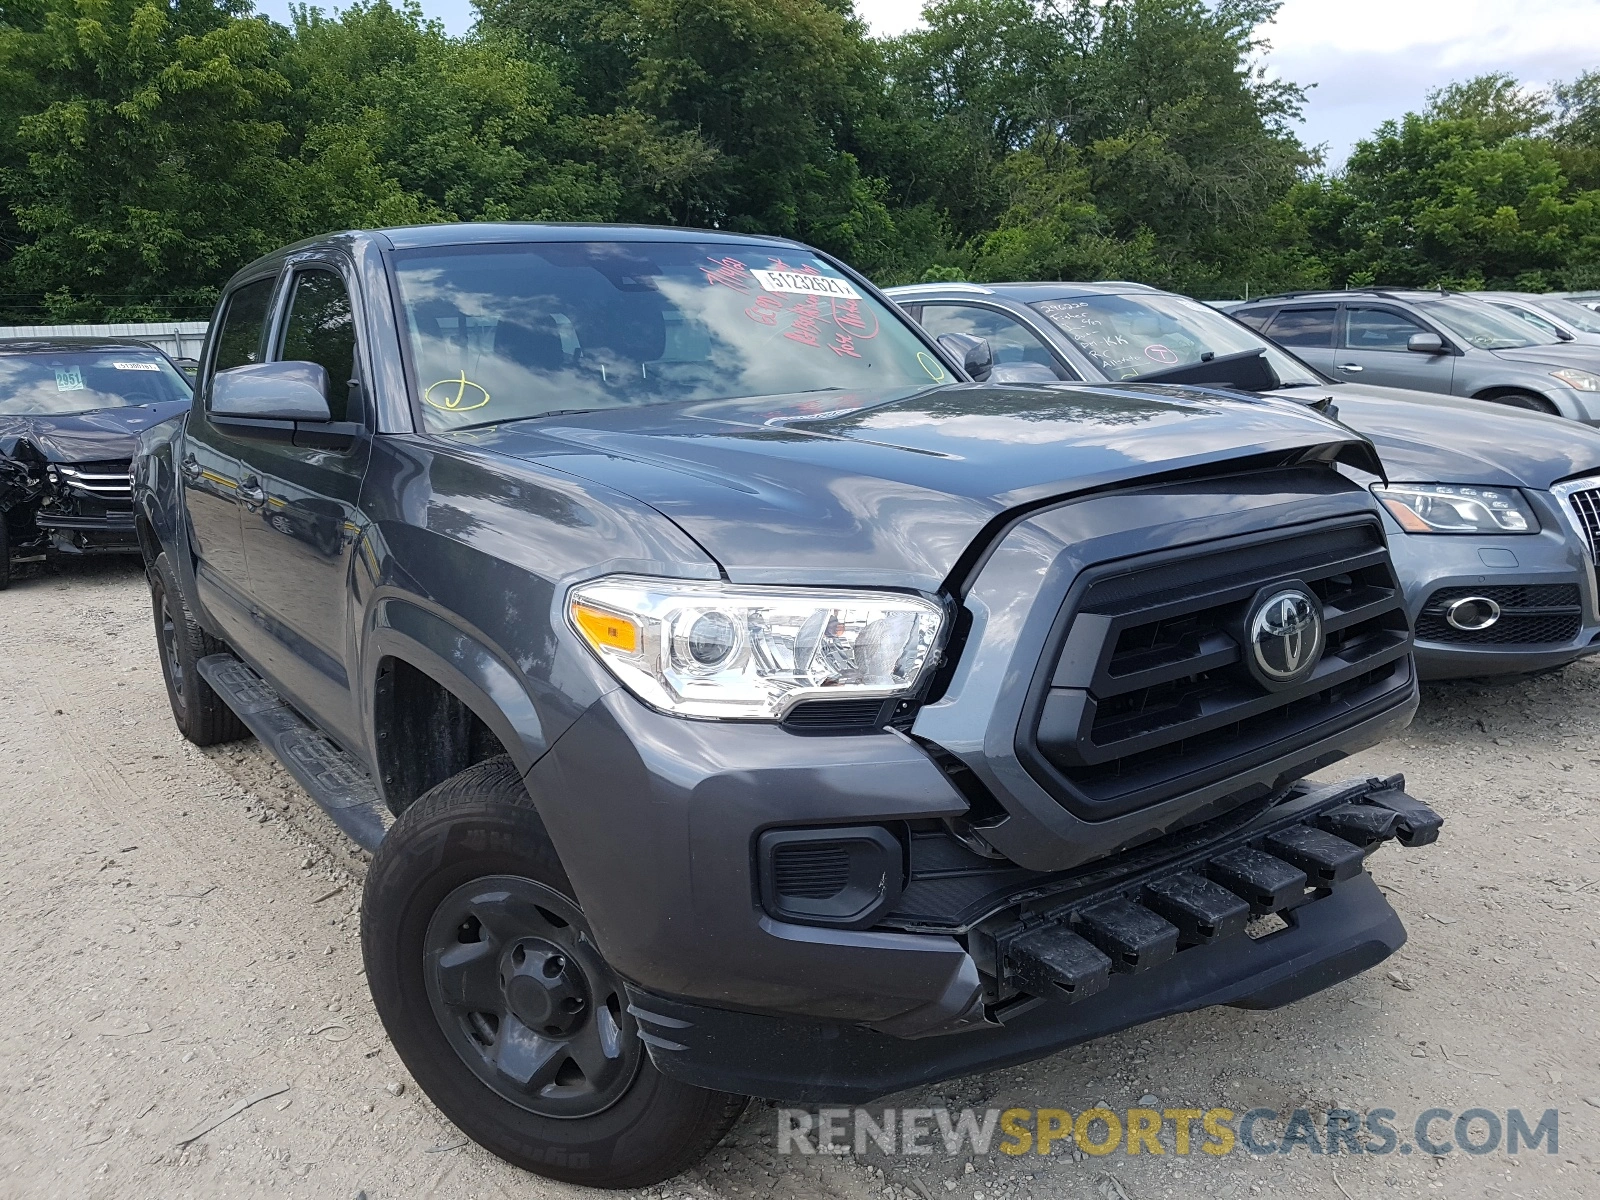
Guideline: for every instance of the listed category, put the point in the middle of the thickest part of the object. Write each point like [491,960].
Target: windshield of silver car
[1483,325]
[508,332]
[53,383]
[1130,335]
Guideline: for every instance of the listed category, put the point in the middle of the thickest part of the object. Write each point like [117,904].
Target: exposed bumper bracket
[1300,851]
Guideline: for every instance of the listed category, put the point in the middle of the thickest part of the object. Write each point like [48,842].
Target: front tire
[1527,400]
[496,998]
[5,553]
[202,716]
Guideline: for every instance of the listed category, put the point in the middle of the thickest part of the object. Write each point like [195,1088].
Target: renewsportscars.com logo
[1181,1131]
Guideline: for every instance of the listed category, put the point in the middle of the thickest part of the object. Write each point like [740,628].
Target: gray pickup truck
[738,701]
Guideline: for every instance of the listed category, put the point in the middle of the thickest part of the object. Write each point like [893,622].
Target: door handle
[251,491]
[190,466]
[1350,367]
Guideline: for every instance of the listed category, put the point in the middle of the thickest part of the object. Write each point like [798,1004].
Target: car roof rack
[1386,293]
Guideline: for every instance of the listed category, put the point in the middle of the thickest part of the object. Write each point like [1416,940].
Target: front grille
[1585,509]
[1530,615]
[1148,696]
[810,872]
[107,480]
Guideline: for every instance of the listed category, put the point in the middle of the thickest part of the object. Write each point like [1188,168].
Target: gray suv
[1492,514]
[1433,342]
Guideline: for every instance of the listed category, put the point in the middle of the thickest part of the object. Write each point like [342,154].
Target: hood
[1423,437]
[891,487]
[1560,354]
[103,433]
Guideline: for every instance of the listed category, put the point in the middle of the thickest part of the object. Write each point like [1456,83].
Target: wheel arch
[1497,394]
[439,699]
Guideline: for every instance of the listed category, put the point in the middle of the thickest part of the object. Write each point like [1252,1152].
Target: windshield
[1131,335]
[512,331]
[1483,325]
[83,381]
[1576,315]
[1540,322]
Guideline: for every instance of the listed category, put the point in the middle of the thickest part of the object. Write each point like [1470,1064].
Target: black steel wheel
[493,989]
[201,715]
[525,999]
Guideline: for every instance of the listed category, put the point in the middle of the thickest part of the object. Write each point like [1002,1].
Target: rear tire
[495,996]
[5,553]
[202,716]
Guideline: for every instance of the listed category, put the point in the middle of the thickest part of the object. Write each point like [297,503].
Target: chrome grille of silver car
[1580,498]
[108,480]
[1585,508]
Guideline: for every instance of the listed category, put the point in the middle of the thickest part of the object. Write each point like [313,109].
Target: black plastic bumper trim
[801,1061]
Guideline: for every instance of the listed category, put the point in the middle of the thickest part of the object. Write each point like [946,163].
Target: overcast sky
[1369,59]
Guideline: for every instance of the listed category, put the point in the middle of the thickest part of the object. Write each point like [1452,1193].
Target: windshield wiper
[554,412]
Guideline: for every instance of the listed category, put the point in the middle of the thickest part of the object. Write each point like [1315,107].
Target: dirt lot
[179,936]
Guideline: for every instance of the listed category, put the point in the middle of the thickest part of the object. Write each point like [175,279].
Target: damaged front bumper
[68,508]
[1149,933]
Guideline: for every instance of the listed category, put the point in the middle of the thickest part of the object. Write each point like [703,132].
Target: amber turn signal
[606,630]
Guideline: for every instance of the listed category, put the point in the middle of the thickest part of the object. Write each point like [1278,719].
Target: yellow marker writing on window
[465,397]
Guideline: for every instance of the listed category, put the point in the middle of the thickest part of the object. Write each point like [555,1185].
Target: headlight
[1584,381]
[1456,508]
[717,650]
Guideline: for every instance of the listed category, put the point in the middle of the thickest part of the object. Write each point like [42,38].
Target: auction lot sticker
[803,284]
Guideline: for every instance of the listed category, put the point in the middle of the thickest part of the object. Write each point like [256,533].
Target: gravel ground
[181,937]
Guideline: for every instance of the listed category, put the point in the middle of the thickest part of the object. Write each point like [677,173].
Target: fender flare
[467,666]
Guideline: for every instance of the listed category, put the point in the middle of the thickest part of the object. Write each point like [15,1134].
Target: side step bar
[332,778]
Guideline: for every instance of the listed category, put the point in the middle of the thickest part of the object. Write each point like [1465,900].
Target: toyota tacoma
[740,701]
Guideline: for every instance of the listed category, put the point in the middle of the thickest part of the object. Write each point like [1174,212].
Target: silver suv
[1558,318]
[1433,342]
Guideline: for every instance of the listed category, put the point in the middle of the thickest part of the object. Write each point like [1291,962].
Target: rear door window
[1304,327]
[1256,318]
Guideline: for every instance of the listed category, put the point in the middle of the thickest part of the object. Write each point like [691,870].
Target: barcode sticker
[802,283]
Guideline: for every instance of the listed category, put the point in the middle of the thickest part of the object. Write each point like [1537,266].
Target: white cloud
[1375,59]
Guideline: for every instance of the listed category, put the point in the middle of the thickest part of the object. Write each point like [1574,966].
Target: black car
[740,701]
[70,410]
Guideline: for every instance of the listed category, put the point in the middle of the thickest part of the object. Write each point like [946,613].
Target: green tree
[1436,200]
[400,122]
[143,164]
[749,103]
[1143,116]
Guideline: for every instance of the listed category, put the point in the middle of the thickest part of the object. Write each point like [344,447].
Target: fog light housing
[1472,613]
[842,877]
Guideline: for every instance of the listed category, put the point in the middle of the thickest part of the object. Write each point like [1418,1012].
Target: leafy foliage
[149,148]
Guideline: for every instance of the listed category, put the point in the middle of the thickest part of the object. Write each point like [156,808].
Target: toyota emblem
[1285,635]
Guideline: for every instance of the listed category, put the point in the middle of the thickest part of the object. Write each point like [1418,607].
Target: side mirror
[972,353]
[1563,336]
[1426,343]
[282,391]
